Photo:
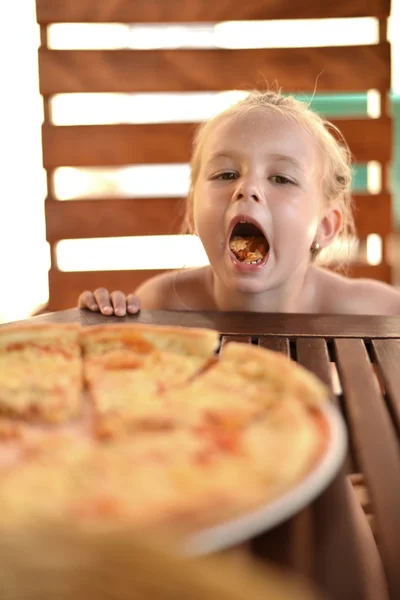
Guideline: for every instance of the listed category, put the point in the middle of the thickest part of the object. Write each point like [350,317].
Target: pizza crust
[143,339]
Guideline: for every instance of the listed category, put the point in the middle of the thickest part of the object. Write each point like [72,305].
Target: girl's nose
[243,196]
[248,191]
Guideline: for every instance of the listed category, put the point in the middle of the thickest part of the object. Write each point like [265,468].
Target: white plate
[235,531]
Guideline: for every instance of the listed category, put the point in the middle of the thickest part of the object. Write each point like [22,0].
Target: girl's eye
[227,176]
[281,179]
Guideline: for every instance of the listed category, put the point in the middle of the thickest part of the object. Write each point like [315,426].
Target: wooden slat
[373,214]
[277,344]
[368,139]
[115,145]
[66,287]
[299,551]
[113,217]
[340,571]
[355,68]
[370,423]
[176,11]
[388,358]
[313,354]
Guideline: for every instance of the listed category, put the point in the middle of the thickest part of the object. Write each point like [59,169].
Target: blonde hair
[336,173]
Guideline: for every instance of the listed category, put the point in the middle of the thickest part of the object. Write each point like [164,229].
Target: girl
[270,189]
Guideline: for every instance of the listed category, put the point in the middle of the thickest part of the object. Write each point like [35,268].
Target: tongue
[249,248]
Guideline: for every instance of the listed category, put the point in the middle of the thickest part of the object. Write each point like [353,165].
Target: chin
[243,286]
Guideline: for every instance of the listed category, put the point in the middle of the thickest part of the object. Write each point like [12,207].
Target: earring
[314,247]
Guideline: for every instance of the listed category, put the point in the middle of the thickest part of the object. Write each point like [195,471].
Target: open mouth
[248,243]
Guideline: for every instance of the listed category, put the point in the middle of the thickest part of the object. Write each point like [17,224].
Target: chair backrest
[336,69]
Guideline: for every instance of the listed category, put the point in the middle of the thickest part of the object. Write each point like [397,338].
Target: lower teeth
[254,262]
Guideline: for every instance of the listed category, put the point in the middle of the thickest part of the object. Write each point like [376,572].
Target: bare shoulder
[185,289]
[344,295]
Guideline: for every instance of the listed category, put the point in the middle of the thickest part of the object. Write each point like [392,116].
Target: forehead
[261,131]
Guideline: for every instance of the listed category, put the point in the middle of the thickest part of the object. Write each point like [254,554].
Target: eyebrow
[289,159]
[275,156]
[224,154]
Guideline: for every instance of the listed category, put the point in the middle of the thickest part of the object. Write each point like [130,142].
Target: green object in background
[360,178]
[337,105]
[395,174]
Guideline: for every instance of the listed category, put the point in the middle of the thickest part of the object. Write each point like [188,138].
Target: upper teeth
[242,221]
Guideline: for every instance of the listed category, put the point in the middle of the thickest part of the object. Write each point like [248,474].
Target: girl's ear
[329,226]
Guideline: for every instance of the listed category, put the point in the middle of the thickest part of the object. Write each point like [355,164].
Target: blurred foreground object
[55,563]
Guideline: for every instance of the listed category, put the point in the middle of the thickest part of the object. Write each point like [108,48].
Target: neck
[290,297]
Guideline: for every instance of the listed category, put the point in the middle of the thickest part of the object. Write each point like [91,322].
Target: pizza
[150,426]
[40,372]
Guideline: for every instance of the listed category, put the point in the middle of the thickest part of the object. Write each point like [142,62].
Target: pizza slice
[40,372]
[128,369]
[245,385]
[271,373]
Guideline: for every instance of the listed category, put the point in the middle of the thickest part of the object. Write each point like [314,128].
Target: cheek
[207,214]
[295,224]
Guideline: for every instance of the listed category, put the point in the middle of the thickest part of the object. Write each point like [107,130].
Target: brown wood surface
[387,356]
[274,325]
[313,354]
[176,11]
[373,214]
[114,217]
[377,448]
[346,69]
[277,344]
[114,145]
[338,555]
[66,286]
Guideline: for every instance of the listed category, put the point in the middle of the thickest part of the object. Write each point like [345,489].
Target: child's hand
[115,303]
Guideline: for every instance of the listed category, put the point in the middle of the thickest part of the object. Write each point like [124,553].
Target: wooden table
[365,351]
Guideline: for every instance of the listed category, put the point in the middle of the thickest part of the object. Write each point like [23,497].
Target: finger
[133,304]
[102,298]
[87,300]
[118,301]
